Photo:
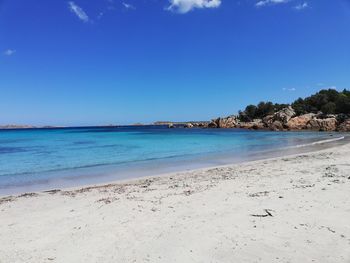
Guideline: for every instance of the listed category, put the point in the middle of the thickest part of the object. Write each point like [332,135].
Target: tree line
[328,101]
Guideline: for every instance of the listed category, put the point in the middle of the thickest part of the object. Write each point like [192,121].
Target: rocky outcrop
[300,122]
[282,120]
[284,115]
[313,122]
[276,126]
[268,120]
[279,120]
[328,124]
[213,124]
[344,126]
[254,125]
[228,122]
[196,124]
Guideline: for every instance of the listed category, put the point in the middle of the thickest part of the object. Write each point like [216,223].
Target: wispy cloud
[184,6]
[301,6]
[9,52]
[128,6]
[262,3]
[289,89]
[78,11]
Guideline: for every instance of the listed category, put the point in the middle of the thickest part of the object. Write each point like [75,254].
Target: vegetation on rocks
[325,101]
[327,110]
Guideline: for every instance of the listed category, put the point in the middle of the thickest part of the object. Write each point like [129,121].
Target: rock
[279,120]
[313,122]
[254,125]
[328,124]
[212,124]
[189,125]
[171,126]
[246,125]
[328,116]
[228,122]
[203,124]
[276,126]
[268,120]
[300,122]
[344,126]
[258,126]
[284,115]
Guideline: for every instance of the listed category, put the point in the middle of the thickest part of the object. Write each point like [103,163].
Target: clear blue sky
[87,62]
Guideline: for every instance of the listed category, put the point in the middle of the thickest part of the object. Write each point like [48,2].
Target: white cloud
[128,6]
[184,6]
[262,3]
[9,52]
[301,6]
[78,11]
[289,89]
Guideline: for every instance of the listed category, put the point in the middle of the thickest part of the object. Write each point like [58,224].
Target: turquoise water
[40,156]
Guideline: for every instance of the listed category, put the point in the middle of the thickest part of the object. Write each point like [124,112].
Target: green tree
[250,112]
[299,106]
[329,108]
[264,109]
[343,104]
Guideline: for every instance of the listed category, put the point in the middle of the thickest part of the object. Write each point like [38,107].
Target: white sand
[208,215]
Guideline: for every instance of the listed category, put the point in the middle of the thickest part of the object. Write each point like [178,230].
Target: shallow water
[46,158]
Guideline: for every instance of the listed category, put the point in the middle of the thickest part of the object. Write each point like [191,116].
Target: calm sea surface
[59,157]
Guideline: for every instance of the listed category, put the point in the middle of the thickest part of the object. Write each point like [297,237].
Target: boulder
[253,125]
[258,125]
[284,115]
[328,124]
[202,124]
[228,122]
[276,126]
[300,122]
[189,125]
[344,126]
[268,120]
[213,124]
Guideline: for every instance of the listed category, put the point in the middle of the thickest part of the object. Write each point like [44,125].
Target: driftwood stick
[268,213]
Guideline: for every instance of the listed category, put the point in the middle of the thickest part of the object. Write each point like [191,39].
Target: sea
[43,159]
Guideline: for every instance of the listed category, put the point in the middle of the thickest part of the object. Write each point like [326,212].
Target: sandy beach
[288,209]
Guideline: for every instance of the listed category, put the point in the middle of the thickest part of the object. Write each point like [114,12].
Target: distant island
[327,110]
[15,126]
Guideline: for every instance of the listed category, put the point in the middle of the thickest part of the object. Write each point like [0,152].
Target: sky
[89,62]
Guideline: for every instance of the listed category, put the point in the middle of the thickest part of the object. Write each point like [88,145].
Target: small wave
[316,143]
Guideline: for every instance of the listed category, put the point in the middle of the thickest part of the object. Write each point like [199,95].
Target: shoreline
[138,180]
[177,167]
[285,209]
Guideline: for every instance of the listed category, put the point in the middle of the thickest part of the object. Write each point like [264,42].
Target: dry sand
[291,209]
